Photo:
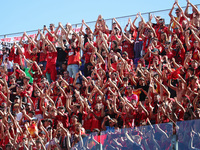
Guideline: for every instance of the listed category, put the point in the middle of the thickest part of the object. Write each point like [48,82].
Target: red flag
[175,74]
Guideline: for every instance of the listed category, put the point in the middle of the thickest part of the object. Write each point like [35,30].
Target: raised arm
[195,36]
[178,24]
[170,13]
[195,8]
[187,41]
[52,46]
[117,24]
[144,109]
[179,7]
[186,10]
[133,23]
[38,68]
[164,88]
[51,34]
[83,22]
[127,38]
[20,41]
[56,31]
[142,18]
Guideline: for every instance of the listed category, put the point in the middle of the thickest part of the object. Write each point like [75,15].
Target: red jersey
[51,38]
[146,43]
[128,47]
[2,100]
[15,57]
[130,62]
[64,119]
[29,89]
[74,56]
[34,57]
[114,66]
[179,55]
[88,52]
[114,39]
[139,117]
[51,58]
[160,30]
[87,120]
[26,53]
[43,56]
[69,80]
[96,123]
[195,55]
[37,78]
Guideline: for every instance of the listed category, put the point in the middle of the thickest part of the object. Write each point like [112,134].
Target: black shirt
[61,54]
[145,88]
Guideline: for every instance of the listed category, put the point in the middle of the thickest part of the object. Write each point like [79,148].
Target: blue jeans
[73,69]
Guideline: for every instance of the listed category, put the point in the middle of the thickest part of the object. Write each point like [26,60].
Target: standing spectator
[50,34]
[74,56]
[51,60]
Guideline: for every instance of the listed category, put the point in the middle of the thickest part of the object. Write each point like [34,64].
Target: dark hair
[32,112]
[125,79]
[116,45]
[191,69]
[8,145]
[12,76]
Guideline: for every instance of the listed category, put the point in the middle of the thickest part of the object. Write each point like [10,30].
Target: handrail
[95,21]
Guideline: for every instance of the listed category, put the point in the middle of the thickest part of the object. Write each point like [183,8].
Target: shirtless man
[195,16]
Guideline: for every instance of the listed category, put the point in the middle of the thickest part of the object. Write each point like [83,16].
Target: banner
[9,41]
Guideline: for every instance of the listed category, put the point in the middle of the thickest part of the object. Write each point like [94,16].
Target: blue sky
[25,15]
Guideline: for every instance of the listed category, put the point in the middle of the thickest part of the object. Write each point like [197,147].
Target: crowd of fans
[52,97]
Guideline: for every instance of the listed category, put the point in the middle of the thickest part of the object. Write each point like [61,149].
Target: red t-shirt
[70,80]
[51,38]
[96,123]
[146,43]
[130,62]
[51,58]
[15,57]
[114,39]
[195,53]
[2,100]
[74,56]
[37,78]
[87,122]
[160,30]
[170,55]
[43,56]
[114,66]
[29,89]
[179,55]
[64,119]
[34,57]
[139,117]
[26,53]
[88,52]
[128,47]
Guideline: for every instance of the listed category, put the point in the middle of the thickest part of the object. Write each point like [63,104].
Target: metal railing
[122,20]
